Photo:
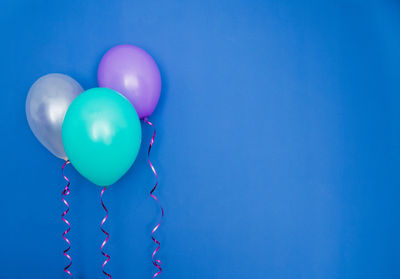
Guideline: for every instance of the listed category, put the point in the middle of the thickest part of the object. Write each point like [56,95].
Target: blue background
[278,140]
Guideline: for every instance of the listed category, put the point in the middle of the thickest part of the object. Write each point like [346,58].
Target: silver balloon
[47,102]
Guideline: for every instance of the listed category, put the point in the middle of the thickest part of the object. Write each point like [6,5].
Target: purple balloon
[132,72]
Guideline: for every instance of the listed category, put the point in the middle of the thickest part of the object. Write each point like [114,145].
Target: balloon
[47,101]
[132,72]
[101,135]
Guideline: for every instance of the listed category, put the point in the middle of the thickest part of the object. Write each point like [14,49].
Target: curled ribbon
[106,233]
[65,193]
[156,262]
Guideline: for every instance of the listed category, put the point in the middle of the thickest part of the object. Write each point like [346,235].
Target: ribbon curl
[65,193]
[106,233]
[156,262]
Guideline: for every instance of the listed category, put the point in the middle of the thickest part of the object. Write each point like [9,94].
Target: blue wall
[278,140]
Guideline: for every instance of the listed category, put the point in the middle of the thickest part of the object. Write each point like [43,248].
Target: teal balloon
[101,134]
